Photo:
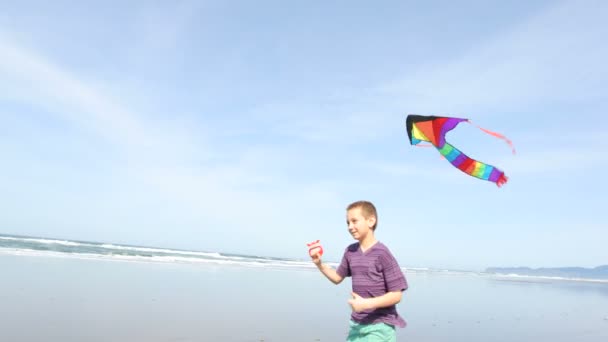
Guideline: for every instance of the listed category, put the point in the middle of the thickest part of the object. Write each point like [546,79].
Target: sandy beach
[69,299]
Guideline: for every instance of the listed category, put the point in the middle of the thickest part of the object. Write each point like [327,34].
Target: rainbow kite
[434,128]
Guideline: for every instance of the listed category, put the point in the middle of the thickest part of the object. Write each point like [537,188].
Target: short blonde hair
[367,210]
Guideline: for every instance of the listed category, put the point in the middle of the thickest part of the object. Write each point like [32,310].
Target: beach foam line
[158,259]
[523,277]
[46,241]
[162,250]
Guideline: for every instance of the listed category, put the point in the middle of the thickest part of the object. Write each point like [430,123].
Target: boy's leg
[379,332]
[354,332]
[382,332]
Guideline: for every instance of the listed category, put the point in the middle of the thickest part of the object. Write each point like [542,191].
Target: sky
[248,126]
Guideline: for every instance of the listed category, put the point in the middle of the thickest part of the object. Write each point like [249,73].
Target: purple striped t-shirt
[374,273]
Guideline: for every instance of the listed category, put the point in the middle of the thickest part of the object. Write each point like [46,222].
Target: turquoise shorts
[378,332]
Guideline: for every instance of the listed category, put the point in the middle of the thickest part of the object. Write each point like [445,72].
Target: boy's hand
[316,258]
[358,303]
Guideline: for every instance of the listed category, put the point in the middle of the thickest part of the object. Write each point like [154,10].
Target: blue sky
[247,127]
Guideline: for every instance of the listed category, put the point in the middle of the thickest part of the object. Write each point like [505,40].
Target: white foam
[421,269]
[523,277]
[237,261]
[161,250]
[45,241]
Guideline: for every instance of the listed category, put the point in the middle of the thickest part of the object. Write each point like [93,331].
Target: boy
[377,280]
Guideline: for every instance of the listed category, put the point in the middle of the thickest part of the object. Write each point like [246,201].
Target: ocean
[35,246]
[59,290]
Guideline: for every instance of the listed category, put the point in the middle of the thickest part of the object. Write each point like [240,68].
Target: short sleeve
[393,276]
[344,269]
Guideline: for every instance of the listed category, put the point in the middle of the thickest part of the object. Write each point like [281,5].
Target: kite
[433,129]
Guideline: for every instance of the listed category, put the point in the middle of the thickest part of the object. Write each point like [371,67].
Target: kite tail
[497,135]
[472,167]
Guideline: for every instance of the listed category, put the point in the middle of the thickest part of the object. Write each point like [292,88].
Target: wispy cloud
[557,161]
[553,58]
[35,79]
[559,152]
[556,55]
[203,189]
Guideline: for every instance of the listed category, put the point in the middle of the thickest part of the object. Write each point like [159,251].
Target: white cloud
[203,194]
[35,79]
[557,160]
[557,56]
[161,29]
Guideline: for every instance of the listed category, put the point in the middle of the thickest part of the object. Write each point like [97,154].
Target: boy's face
[358,225]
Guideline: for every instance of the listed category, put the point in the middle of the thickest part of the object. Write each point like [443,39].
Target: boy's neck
[368,241]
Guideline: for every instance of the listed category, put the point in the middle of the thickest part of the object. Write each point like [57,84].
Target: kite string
[427,146]
[497,135]
[424,145]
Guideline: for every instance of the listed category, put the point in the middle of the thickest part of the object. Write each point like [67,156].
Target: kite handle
[315,246]
[497,135]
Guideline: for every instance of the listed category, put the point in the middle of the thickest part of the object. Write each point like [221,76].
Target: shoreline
[294,265]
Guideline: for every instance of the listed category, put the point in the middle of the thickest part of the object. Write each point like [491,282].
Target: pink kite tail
[497,135]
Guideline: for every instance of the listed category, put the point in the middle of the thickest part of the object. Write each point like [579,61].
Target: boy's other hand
[358,303]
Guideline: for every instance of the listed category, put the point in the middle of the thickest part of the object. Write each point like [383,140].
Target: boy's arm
[327,271]
[330,273]
[359,303]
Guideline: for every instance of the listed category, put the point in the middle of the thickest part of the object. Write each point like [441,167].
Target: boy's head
[367,210]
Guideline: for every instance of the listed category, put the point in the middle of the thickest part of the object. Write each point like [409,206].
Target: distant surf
[38,246]
[35,246]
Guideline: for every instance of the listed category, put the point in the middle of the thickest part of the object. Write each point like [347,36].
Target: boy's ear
[372,221]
